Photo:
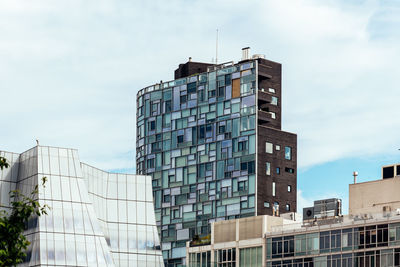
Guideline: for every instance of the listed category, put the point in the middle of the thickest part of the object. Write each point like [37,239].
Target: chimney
[275,210]
[355,174]
[245,53]
[190,59]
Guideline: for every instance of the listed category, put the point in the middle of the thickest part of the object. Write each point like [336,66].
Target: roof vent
[245,53]
[256,56]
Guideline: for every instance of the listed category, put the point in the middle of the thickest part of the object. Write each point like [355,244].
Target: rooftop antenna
[216,50]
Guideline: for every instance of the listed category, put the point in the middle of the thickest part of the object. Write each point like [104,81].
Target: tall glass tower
[212,141]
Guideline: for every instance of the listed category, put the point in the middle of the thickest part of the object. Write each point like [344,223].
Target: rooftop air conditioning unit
[308,213]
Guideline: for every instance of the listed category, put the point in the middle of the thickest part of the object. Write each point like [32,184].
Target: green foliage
[3,163]
[12,225]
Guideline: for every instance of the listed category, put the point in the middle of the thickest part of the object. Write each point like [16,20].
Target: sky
[70,71]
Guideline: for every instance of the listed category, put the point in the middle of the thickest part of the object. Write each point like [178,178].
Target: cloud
[70,70]
[303,202]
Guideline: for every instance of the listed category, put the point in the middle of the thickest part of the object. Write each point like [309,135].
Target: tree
[12,225]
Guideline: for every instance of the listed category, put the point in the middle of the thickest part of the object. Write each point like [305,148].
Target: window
[168,106]
[271,90]
[221,91]
[150,163]
[287,207]
[267,168]
[211,93]
[274,101]
[289,188]
[249,166]
[167,120]
[278,170]
[176,213]
[247,123]
[266,204]
[180,139]
[268,147]
[166,198]
[156,146]
[191,88]
[289,170]
[154,107]
[242,145]
[152,125]
[277,147]
[224,257]
[242,186]
[183,99]
[288,152]
[273,189]
[249,257]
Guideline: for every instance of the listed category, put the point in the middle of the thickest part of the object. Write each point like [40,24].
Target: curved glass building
[96,218]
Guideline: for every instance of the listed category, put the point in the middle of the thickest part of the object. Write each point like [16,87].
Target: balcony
[264,96]
[264,117]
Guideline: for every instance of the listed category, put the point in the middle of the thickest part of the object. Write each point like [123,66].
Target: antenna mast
[216,49]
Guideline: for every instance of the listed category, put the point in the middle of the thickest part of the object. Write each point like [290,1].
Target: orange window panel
[235,88]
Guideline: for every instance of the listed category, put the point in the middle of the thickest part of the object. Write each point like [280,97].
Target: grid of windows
[225,257]
[200,259]
[383,257]
[207,156]
[347,239]
[251,257]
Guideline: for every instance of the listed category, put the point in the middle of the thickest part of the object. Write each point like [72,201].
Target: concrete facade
[374,196]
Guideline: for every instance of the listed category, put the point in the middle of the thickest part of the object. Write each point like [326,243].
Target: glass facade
[251,257]
[248,257]
[200,259]
[196,137]
[96,218]
[365,245]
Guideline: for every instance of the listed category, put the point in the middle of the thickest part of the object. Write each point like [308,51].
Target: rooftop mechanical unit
[323,209]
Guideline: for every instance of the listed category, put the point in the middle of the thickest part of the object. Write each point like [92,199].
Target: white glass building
[96,218]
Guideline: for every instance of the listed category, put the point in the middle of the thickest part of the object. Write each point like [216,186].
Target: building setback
[95,218]
[212,141]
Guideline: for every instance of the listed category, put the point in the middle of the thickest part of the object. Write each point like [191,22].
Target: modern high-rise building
[212,141]
[95,218]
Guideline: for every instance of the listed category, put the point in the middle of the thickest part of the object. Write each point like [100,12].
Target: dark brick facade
[284,178]
[190,68]
[283,172]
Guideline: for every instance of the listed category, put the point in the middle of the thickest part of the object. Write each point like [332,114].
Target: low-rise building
[369,236]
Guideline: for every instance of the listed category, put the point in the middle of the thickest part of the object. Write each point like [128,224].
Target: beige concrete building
[236,241]
[376,196]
